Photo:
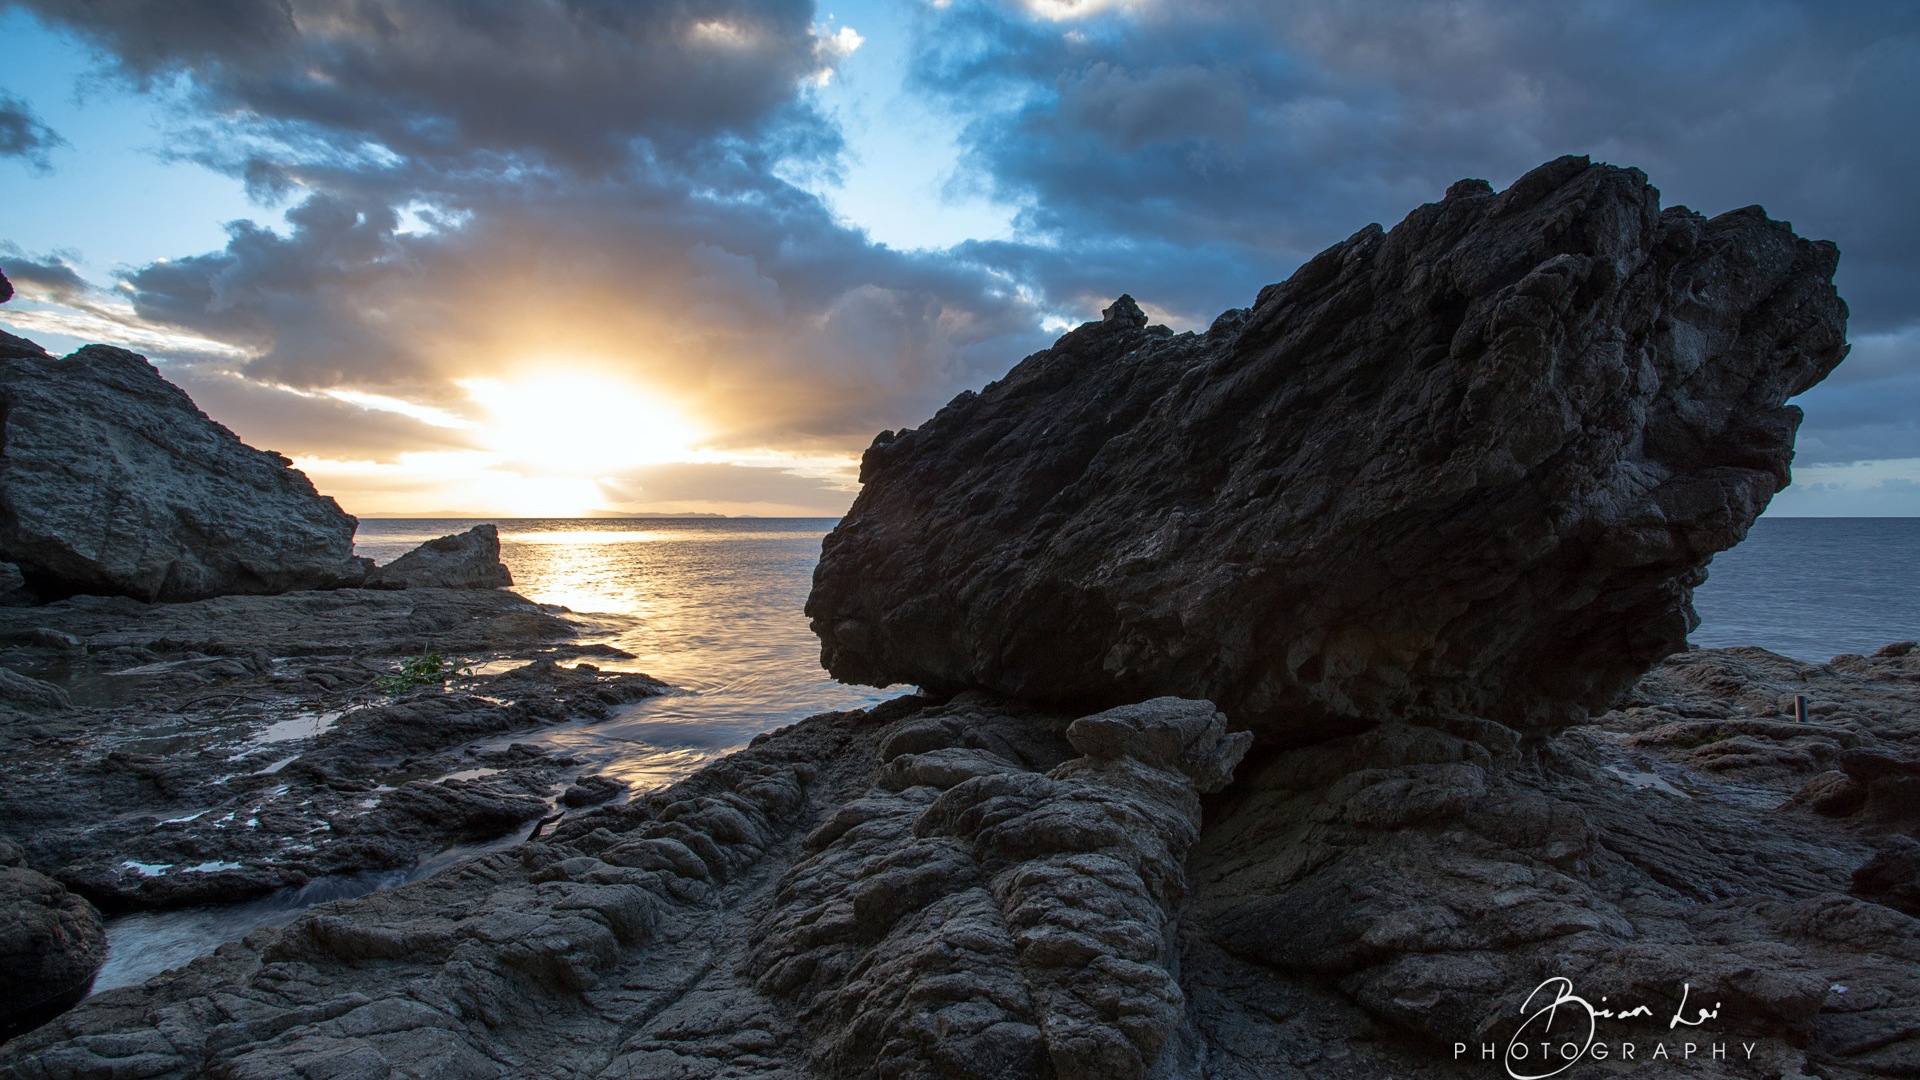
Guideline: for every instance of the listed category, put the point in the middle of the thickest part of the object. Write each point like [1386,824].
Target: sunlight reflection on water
[710,605]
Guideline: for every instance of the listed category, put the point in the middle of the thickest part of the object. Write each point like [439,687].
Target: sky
[575,257]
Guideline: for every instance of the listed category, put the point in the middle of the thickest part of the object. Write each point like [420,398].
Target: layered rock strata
[222,749]
[997,906]
[971,888]
[113,482]
[1470,468]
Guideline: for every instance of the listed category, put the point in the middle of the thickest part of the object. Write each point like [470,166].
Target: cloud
[1869,407]
[1192,153]
[574,81]
[1279,128]
[482,190]
[23,135]
[45,277]
[1883,488]
[724,483]
[308,425]
[500,190]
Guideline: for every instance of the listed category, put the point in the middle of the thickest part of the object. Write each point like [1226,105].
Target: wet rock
[51,944]
[1353,908]
[592,791]
[468,560]
[112,481]
[1470,468]
[582,953]
[227,748]
[332,623]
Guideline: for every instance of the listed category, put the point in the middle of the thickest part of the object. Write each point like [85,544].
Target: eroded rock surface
[1664,854]
[51,943]
[1472,467]
[218,750]
[974,915]
[113,482]
[468,560]
[855,869]
[982,888]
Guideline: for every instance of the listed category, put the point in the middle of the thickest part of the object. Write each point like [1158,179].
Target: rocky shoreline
[1304,698]
[923,888]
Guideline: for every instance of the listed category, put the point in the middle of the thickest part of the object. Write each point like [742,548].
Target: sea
[713,607]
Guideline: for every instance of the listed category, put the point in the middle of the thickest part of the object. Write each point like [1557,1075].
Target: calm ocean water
[710,605]
[713,606]
[1813,588]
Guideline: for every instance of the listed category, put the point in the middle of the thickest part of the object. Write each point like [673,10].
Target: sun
[578,423]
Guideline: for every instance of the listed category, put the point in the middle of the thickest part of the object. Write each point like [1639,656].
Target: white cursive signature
[1577,1035]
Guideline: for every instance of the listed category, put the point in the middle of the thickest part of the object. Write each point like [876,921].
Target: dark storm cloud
[23,135]
[768,316]
[1287,126]
[1192,152]
[577,80]
[480,188]
[599,182]
[47,277]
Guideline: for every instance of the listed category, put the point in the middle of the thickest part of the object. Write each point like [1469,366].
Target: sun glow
[578,424]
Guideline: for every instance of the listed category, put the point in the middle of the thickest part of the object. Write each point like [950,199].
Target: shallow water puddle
[301,725]
[144,944]
[1646,780]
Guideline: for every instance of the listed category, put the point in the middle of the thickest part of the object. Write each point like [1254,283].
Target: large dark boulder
[1471,467]
[51,945]
[468,560]
[113,482]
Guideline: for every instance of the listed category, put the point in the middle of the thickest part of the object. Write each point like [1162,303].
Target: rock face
[51,943]
[111,481]
[468,560]
[1471,467]
[982,888]
[1002,916]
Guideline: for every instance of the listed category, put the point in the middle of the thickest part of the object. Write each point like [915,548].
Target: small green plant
[431,669]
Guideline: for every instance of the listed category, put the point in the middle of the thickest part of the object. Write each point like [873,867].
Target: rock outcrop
[982,888]
[51,943]
[1470,469]
[219,750]
[113,482]
[468,560]
[973,915]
